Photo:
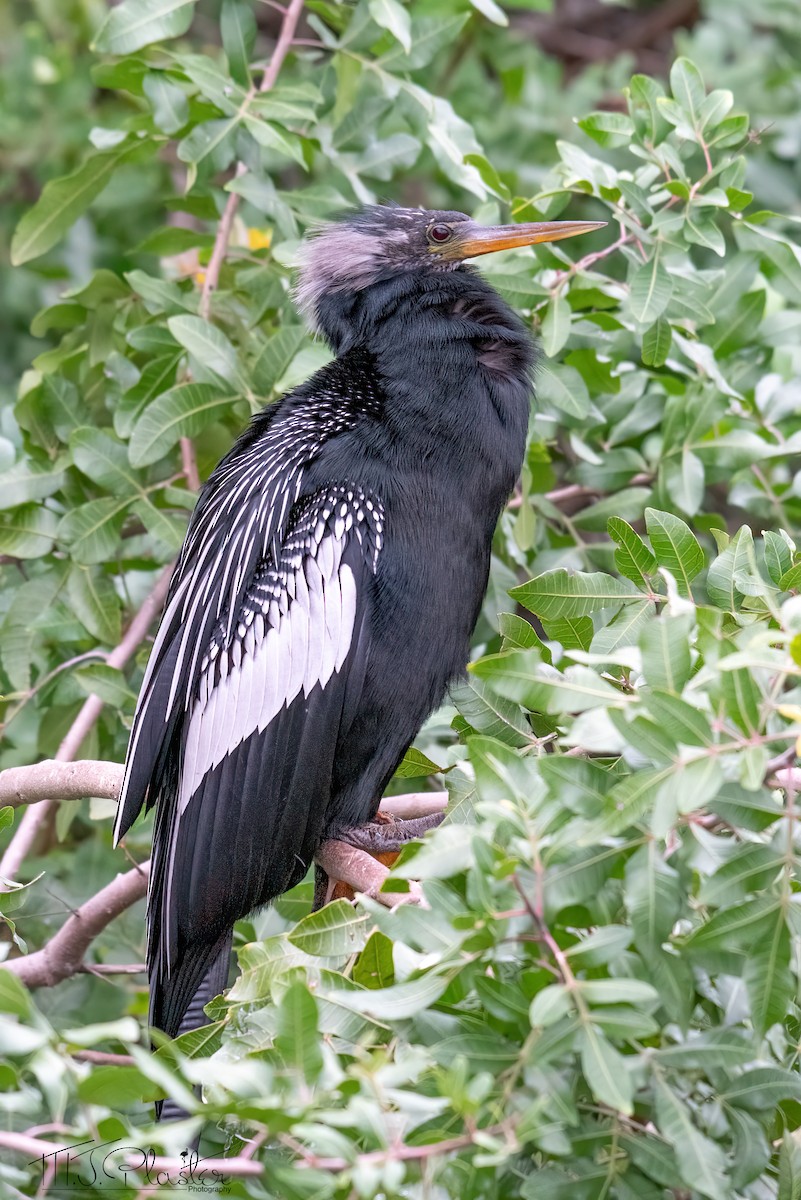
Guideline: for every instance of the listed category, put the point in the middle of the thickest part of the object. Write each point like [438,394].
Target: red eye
[439,233]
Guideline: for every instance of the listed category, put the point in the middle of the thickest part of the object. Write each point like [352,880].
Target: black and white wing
[255,674]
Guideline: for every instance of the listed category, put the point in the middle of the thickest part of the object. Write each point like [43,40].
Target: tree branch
[22,842]
[63,955]
[88,777]
[288,26]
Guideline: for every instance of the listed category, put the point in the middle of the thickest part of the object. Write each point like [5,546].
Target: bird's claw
[387,834]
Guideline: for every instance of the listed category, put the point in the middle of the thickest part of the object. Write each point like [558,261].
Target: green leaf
[722,575]
[335,930]
[374,967]
[789,1169]
[700,1161]
[559,594]
[183,411]
[521,676]
[170,105]
[31,480]
[98,679]
[564,388]
[491,11]
[136,23]
[209,345]
[572,633]
[665,648]
[600,947]
[64,200]
[27,531]
[415,764]
[762,1088]
[735,928]
[656,343]
[684,481]
[624,629]
[679,719]
[675,547]
[768,979]
[651,289]
[632,557]
[92,530]
[488,713]
[688,89]
[391,15]
[117,1087]
[95,603]
[104,460]
[653,898]
[14,997]
[297,1039]
[751,869]
[398,1002]
[555,329]
[608,128]
[742,698]
[485,168]
[276,356]
[778,559]
[791,580]
[238,29]
[605,1071]
[619,991]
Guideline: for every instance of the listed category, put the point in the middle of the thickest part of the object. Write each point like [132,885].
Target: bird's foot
[386,834]
[383,837]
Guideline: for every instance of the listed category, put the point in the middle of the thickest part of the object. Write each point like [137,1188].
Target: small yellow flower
[260,239]
[200,278]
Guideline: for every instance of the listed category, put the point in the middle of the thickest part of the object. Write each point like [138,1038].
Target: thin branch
[63,955]
[589,260]
[60,781]
[189,464]
[103,1058]
[89,777]
[245,1166]
[787,777]
[240,1166]
[23,840]
[289,24]
[114,968]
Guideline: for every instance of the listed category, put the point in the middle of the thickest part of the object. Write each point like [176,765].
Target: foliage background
[603,999]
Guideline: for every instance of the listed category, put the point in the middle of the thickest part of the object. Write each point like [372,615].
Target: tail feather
[177,1003]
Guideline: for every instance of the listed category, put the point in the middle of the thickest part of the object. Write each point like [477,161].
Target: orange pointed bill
[479,239]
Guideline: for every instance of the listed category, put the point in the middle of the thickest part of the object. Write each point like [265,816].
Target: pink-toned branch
[22,842]
[88,777]
[289,24]
[64,954]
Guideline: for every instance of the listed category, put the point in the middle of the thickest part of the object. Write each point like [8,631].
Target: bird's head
[382,241]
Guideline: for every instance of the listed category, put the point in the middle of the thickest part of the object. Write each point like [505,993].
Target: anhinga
[330,580]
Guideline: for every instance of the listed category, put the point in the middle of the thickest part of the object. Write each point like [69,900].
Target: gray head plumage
[368,245]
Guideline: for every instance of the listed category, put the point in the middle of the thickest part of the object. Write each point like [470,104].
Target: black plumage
[330,580]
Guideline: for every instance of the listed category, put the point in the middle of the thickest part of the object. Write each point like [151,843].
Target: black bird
[330,580]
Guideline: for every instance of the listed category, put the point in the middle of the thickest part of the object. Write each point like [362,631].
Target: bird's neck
[448,351]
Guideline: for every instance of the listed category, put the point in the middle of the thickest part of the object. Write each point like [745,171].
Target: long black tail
[166,1000]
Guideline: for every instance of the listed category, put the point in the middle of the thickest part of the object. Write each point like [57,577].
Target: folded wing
[239,718]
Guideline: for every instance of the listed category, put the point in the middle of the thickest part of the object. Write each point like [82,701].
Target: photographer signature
[108,1165]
